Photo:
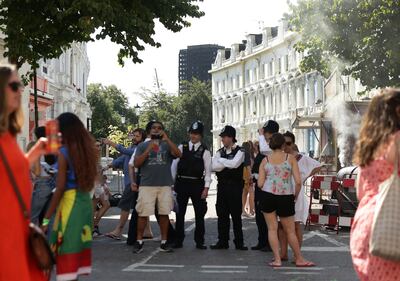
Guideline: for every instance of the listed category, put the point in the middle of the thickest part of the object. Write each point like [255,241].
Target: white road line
[142,262]
[190,227]
[330,239]
[325,249]
[225,266]
[299,268]
[162,265]
[301,273]
[151,270]
[223,271]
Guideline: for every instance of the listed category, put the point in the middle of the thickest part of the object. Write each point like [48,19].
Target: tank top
[278,179]
[70,181]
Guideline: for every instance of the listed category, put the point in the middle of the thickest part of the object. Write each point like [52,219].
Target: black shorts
[283,205]
[128,199]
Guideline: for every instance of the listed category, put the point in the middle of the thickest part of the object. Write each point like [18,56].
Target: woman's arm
[36,151]
[60,186]
[296,175]
[261,174]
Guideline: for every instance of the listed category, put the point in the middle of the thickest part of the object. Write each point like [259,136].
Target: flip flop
[307,264]
[271,264]
[282,259]
[113,236]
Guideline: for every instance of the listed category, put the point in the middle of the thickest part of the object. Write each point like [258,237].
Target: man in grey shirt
[154,158]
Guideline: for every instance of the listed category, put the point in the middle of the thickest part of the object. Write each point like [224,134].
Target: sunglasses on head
[15,86]
[288,143]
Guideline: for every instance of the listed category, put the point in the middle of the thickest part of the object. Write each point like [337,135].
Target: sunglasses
[156,127]
[15,86]
[288,143]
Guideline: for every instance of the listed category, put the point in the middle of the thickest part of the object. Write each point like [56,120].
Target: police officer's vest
[230,175]
[191,163]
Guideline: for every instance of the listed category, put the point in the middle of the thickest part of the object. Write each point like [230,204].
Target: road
[114,260]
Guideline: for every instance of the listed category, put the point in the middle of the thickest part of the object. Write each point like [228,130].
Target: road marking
[325,249]
[301,273]
[223,271]
[225,266]
[151,270]
[162,265]
[323,236]
[299,268]
[142,262]
[190,227]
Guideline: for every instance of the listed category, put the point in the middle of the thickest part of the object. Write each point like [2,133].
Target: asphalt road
[114,260]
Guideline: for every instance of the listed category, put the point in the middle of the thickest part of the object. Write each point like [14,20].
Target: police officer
[228,165]
[270,127]
[193,178]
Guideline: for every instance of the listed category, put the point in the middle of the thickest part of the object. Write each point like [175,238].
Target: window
[45,69]
[279,65]
[286,63]
[270,68]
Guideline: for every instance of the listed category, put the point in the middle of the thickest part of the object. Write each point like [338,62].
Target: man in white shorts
[154,158]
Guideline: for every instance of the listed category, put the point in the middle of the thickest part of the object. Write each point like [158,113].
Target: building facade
[61,87]
[196,61]
[258,80]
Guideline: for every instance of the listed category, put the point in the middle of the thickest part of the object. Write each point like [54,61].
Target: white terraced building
[259,80]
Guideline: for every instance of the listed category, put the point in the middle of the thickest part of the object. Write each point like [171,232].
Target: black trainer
[165,248]
[257,247]
[219,246]
[241,247]
[177,245]
[266,249]
[138,247]
[201,247]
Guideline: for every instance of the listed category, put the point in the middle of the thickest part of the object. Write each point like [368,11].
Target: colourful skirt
[71,237]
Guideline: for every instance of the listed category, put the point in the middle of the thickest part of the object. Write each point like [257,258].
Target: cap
[228,131]
[196,127]
[271,126]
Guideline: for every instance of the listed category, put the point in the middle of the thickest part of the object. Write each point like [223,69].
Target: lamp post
[137,111]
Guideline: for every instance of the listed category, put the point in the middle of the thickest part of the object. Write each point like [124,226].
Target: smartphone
[53,137]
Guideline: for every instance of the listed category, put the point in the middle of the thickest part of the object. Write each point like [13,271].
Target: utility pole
[158,82]
[35,98]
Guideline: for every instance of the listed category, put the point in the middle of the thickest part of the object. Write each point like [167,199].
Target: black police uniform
[263,243]
[190,184]
[229,201]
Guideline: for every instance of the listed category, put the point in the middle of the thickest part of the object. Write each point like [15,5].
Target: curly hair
[81,149]
[380,122]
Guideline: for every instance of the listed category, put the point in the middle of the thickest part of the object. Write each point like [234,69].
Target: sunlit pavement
[114,260]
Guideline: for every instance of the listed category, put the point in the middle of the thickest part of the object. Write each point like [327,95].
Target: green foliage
[178,112]
[108,105]
[360,37]
[118,136]
[43,29]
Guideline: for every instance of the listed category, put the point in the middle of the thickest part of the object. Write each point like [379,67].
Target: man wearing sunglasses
[154,158]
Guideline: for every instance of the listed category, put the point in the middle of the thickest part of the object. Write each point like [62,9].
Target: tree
[43,29]
[361,37]
[109,105]
[178,112]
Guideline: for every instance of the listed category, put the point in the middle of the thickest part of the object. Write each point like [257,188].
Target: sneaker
[96,231]
[165,248]
[138,247]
